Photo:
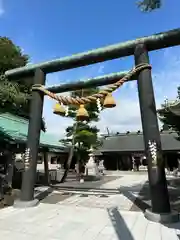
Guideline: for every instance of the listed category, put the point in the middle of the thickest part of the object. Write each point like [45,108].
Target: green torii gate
[161,210]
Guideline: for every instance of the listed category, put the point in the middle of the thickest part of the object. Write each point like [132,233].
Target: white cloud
[101,69]
[55,124]
[1,8]
[126,115]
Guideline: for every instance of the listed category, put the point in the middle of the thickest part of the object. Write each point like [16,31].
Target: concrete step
[89,190]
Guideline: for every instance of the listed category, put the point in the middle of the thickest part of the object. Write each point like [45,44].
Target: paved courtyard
[91,215]
[53,222]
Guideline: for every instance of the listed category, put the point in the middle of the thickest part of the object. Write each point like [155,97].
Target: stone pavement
[127,180]
[88,217]
[53,222]
[104,199]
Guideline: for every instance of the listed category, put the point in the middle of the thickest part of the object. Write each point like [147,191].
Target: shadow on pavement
[9,199]
[143,199]
[139,195]
[41,195]
[175,226]
[138,204]
[119,224]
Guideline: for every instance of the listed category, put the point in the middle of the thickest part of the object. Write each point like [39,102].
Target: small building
[117,150]
[14,131]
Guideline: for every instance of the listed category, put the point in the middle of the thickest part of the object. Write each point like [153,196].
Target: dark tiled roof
[175,109]
[134,142]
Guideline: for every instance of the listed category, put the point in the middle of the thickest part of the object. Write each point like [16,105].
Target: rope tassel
[66,111]
[99,107]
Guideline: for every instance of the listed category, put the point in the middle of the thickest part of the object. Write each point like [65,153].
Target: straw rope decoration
[88,99]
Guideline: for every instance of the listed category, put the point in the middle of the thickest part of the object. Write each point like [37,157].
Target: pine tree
[15,94]
[83,135]
[167,116]
[149,5]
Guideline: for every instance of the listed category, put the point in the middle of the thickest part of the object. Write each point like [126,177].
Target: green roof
[15,128]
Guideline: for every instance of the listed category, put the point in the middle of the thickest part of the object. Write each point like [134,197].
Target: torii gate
[139,48]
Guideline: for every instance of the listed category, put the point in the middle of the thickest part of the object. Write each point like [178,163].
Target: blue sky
[52,29]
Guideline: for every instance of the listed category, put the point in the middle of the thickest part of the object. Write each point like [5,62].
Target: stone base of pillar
[25,204]
[171,217]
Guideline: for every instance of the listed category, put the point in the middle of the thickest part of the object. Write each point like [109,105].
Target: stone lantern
[91,167]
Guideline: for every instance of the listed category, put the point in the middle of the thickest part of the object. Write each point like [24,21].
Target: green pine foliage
[168,118]
[149,5]
[15,94]
[85,134]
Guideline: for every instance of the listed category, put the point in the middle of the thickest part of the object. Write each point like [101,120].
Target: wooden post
[29,176]
[46,167]
[157,179]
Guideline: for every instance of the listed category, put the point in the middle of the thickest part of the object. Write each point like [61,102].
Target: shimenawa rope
[101,94]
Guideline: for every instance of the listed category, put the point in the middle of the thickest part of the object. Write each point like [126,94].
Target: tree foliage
[85,134]
[168,118]
[149,5]
[90,107]
[11,56]
[15,95]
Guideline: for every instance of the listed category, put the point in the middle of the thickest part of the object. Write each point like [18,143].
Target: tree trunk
[71,153]
[68,164]
[1,187]
[10,168]
[46,168]
[79,163]
[6,175]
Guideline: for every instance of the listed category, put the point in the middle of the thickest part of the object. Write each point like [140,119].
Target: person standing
[133,163]
[137,163]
